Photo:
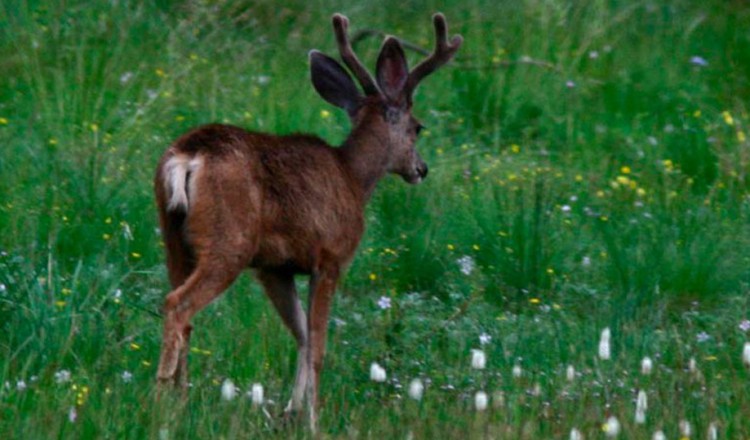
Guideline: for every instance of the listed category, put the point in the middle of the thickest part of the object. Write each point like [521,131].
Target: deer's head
[385,108]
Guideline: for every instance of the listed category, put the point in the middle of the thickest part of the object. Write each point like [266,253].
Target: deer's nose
[422,170]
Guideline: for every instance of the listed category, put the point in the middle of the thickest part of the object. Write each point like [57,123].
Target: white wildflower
[659,435]
[699,61]
[228,390]
[125,77]
[377,373]
[517,371]
[466,263]
[713,431]
[416,389]
[478,359]
[641,405]
[612,427]
[536,391]
[256,394]
[262,79]
[384,302]
[685,429]
[62,376]
[565,208]
[647,366]
[126,376]
[746,354]
[480,401]
[21,385]
[604,347]
[164,433]
[72,414]
[484,339]
[575,434]
[570,373]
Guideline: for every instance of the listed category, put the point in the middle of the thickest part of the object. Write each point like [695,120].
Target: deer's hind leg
[280,288]
[205,283]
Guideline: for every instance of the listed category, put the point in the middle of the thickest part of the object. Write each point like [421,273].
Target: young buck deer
[230,199]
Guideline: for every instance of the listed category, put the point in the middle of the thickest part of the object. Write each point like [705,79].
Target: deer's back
[264,200]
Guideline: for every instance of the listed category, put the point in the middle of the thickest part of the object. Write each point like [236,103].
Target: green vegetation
[589,168]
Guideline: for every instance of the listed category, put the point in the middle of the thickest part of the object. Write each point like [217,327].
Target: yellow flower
[451,247]
[135,255]
[515,148]
[697,114]
[52,141]
[535,300]
[373,277]
[94,127]
[625,169]
[727,117]
[475,247]
[325,114]
[160,73]
[106,236]
[740,136]
[3,121]
[579,178]
[623,180]
[60,304]
[134,346]
[200,351]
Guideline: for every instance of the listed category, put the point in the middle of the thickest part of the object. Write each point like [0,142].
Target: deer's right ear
[333,83]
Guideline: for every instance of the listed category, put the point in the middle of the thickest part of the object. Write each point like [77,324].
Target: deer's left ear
[392,70]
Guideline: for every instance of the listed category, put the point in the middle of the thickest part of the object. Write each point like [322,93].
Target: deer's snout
[417,174]
[422,170]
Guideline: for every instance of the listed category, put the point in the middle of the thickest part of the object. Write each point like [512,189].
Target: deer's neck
[365,154]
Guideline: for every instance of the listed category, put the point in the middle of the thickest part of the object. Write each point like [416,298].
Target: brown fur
[230,199]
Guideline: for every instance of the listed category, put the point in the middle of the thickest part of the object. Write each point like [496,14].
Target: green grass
[594,174]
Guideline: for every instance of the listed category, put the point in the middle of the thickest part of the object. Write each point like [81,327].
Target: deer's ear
[392,70]
[333,83]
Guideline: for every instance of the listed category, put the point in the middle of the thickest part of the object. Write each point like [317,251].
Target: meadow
[589,169]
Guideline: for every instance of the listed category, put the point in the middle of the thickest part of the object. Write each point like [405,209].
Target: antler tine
[443,53]
[340,27]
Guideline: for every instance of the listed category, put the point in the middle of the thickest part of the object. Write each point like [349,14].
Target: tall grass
[589,159]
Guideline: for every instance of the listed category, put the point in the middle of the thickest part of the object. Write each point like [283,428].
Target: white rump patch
[179,179]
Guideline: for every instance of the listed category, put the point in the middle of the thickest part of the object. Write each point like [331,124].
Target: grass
[587,164]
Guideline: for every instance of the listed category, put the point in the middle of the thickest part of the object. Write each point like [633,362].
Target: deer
[283,206]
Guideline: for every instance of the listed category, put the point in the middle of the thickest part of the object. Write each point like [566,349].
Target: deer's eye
[418,129]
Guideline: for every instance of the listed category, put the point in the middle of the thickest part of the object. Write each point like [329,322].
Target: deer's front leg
[322,288]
